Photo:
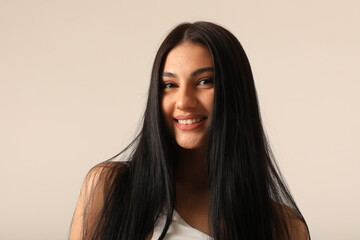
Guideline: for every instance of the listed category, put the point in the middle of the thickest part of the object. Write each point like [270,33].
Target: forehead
[188,56]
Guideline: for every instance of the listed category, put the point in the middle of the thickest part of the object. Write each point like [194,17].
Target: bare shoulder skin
[91,199]
[297,228]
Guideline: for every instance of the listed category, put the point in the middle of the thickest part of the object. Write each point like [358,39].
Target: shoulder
[100,177]
[104,171]
[106,167]
[295,223]
[92,196]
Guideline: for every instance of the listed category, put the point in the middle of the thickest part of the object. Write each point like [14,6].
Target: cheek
[208,100]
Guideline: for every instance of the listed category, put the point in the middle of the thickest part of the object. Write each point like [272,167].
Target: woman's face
[188,93]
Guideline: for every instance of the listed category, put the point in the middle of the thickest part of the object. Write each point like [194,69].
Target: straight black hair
[248,198]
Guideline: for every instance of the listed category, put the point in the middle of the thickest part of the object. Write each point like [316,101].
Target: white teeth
[189,121]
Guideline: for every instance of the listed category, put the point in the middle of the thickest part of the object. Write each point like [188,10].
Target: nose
[186,98]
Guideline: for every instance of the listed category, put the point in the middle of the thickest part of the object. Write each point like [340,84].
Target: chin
[190,144]
[189,147]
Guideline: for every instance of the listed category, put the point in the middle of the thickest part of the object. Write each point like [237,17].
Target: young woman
[201,167]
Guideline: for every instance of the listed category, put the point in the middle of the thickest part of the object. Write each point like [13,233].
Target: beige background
[74,78]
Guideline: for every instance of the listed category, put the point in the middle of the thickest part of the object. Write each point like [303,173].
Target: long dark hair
[248,197]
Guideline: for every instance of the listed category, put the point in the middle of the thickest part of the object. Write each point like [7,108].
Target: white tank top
[178,230]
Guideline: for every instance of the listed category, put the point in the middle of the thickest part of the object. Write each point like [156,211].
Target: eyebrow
[193,74]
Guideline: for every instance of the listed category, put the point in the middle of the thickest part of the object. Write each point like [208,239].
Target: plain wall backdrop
[73,83]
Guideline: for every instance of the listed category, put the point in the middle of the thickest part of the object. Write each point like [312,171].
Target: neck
[191,167]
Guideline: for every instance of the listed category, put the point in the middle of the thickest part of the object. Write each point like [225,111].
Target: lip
[188,127]
[185,117]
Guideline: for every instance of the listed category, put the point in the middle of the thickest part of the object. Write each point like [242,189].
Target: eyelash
[168,85]
[208,80]
[201,82]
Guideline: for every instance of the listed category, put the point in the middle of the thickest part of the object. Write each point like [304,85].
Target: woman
[201,167]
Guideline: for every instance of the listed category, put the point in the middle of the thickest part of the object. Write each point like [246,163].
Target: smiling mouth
[190,121]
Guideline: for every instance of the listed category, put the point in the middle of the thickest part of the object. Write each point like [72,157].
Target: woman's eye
[168,85]
[206,81]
